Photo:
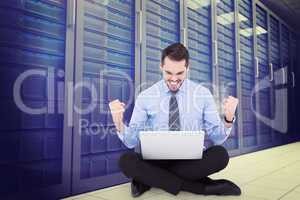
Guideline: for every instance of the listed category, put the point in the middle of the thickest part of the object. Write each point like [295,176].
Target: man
[176,103]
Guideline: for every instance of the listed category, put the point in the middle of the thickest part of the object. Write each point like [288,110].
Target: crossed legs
[170,175]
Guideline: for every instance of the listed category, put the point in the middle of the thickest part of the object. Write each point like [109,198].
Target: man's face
[174,73]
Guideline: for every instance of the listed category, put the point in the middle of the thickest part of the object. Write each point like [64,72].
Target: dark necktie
[174,120]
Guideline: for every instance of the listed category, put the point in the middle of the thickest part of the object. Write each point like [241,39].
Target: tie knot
[173,93]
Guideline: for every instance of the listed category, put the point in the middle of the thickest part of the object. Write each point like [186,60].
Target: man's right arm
[129,134]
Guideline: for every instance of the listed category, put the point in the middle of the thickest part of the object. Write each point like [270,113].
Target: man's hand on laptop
[117,110]
[229,106]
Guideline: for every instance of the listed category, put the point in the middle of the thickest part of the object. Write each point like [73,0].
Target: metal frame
[255,67]
[69,78]
[183,23]
[215,70]
[77,96]
[142,28]
[138,46]
[271,74]
[238,75]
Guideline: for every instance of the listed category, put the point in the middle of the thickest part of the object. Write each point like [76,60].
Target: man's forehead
[167,60]
[174,66]
[175,70]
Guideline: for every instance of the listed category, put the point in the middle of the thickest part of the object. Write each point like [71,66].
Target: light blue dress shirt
[197,110]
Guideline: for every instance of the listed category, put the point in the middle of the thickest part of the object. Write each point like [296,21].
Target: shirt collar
[182,88]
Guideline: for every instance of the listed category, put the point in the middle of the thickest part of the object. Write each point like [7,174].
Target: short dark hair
[177,52]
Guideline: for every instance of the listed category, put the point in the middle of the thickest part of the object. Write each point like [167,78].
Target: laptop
[165,145]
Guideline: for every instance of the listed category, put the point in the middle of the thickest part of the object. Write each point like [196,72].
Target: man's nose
[174,78]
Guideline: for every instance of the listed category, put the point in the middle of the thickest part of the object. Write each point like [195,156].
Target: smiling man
[176,103]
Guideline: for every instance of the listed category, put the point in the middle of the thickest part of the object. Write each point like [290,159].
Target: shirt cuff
[121,135]
[228,130]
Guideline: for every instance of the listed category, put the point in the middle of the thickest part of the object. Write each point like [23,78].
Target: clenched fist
[229,107]
[117,110]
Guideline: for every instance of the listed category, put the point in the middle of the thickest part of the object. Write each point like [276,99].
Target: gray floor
[269,174]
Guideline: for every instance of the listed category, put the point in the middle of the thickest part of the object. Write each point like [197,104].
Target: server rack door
[247,73]
[199,43]
[274,65]
[292,89]
[34,148]
[281,83]
[104,71]
[265,136]
[226,59]
[161,29]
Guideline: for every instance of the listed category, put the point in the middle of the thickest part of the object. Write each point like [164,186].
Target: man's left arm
[217,129]
[229,107]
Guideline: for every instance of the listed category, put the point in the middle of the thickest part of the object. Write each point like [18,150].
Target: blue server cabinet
[34,149]
[285,46]
[162,29]
[226,58]
[199,44]
[274,43]
[292,118]
[263,72]
[247,73]
[285,68]
[274,56]
[200,41]
[104,63]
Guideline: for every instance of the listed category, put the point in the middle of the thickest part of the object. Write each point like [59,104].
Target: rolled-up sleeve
[212,123]
[130,134]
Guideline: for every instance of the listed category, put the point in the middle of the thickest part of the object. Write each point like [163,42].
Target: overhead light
[242,18]
[196,4]
[103,2]
[226,18]
[260,30]
[247,32]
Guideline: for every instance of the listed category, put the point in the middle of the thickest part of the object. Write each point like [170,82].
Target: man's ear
[161,67]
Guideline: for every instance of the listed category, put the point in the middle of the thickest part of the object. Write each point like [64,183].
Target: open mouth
[174,84]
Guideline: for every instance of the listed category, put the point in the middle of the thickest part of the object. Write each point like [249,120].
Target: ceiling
[286,9]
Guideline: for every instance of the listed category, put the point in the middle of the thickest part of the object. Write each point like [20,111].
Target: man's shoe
[137,188]
[222,187]
[206,180]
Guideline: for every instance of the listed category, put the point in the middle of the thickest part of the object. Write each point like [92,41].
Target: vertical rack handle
[271,72]
[140,18]
[256,67]
[71,6]
[239,61]
[216,51]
